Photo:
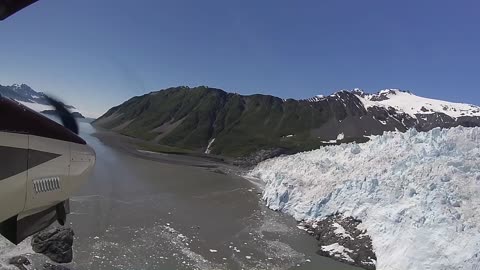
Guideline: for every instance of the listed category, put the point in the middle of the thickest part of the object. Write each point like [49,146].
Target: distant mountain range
[53,112]
[211,120]
[25,95]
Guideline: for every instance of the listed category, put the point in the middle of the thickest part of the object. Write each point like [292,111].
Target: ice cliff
[417,194]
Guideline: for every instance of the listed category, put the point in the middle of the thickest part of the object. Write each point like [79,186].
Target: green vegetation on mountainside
[189,118]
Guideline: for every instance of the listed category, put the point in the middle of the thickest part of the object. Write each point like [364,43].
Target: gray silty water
[136,213]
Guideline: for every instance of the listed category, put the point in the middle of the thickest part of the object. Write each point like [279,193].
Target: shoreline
[128,145]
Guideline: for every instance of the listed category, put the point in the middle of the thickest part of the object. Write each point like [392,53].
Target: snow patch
[40,107]
[331,141]
[339,230]
[411,104]
[337,250]
[36,106]
[207,151]
[150,152]
[316,98]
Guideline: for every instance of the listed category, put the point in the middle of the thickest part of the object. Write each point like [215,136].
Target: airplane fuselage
[41,165]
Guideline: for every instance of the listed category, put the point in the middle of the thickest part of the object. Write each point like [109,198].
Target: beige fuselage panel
[44,172]
[13,188]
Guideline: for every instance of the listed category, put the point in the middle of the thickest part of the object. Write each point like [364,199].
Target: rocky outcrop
[339,238]
[55,243]
[259,156]
[20,262]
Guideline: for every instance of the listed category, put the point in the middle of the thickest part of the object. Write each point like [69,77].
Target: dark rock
[49,266]
[259,156]
[20,262]
[423,109]
[55,243]
[354,239]
[382,96]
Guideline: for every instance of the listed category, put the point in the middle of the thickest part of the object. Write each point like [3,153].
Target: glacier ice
[338,250]
[418,194]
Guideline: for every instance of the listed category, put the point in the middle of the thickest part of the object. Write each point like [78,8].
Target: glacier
[417,194]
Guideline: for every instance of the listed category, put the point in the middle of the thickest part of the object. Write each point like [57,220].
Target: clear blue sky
[97,53]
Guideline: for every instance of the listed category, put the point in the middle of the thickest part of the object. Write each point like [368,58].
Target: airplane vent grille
[46,184]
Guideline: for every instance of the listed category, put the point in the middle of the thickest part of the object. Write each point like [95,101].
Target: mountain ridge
[241,125]
[53,112]
[27,96]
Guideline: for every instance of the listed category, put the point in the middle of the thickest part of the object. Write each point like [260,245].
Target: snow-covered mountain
[252,128]
[25,95]
[358,114]
[415,106]
[416,193]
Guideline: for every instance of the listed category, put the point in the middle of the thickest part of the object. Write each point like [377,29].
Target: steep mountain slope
[28,97]
[235,125]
